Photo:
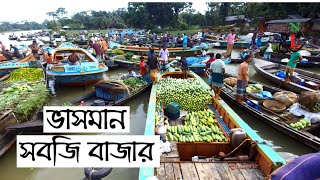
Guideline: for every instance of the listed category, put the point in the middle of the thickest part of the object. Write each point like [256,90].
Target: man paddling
[243,79]
[292,63]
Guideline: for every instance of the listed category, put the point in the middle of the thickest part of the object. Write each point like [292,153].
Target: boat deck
[171,168]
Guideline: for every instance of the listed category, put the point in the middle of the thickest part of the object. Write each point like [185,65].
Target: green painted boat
[173,52]
[265,158]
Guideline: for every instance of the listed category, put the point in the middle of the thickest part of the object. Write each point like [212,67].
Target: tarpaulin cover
[304,167]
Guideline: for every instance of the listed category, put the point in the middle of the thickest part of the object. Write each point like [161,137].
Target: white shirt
[204,53]
[269,49]
[164,54]
[132,74]
[217,66]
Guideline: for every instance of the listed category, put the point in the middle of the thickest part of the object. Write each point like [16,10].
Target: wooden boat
[268,69]
[85,72]
[6,67]
[199,67]
[173,52]
[7,138]
[312,60]
[13,37]
[303,64]
[79,42]
[36,125]
[276,120]
[172,167]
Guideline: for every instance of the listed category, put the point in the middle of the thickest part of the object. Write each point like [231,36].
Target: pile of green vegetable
[23,98]
[188,93]
[198,127]
[256,87]
[27,74]
[134,83]
[300,124]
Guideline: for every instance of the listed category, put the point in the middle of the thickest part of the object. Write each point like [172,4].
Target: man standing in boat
[230,42]
[164,55]
[35,49]
[153,66]
[243,79]
[185,41]
[292,63]
[217,69]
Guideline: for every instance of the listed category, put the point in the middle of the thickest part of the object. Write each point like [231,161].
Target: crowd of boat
[202,136]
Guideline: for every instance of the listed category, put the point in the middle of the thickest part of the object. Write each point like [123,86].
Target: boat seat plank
[251,173]
[235,173]
[189,171]
[211,171]
[202,172]
[177,171]
[161,173]
[169,171]
[220,169]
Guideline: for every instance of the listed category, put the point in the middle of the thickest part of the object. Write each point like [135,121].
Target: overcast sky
[35,10]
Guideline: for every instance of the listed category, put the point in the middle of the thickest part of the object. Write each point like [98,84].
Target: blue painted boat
[6,67]
[113,45]
[200,66]
[84,72]
[265,158]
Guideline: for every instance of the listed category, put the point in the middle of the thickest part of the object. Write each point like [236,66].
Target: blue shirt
[185,39]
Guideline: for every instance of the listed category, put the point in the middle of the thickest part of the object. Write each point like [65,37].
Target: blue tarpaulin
[302,168]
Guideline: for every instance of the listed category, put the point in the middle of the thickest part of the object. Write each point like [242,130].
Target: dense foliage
[178,15]
[23,98]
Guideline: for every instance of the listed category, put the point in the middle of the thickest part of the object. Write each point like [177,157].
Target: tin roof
[288,21]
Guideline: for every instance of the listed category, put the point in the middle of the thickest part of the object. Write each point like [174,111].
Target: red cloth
[49,60]
[143,70]
[97,48]
[209,62]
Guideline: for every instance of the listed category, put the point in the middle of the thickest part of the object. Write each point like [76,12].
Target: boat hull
[303,138]
[127,64]
[261,65]
[172,53]
[78,80]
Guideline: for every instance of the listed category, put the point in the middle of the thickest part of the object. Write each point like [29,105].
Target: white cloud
[35,10]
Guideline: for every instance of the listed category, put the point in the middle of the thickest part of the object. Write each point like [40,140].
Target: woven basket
[274,106]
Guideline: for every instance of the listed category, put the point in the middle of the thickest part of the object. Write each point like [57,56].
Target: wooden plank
[220,169]
[177,171]
[211,171]
[161,174]
[189,171]
[202,172]
[247,174]
[236,172]
[228,171]
[169,171]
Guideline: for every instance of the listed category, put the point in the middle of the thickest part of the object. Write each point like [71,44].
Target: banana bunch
[200,133]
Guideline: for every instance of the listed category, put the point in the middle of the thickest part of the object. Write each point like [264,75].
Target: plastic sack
[266,94]
[231,81]
[309,100]
[315,118]
[286,97]
[259,95]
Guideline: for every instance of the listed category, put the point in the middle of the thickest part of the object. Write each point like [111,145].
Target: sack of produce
[286,97]
[266,94]
[231,81]
[310,101]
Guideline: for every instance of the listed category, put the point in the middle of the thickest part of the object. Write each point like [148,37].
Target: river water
[138,109]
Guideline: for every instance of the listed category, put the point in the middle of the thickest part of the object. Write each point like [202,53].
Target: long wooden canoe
[305,135]
[312,60]
[173,52]
[268,69]
[172,166]
[37,124]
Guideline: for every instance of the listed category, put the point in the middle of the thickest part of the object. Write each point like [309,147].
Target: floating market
[230,96]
